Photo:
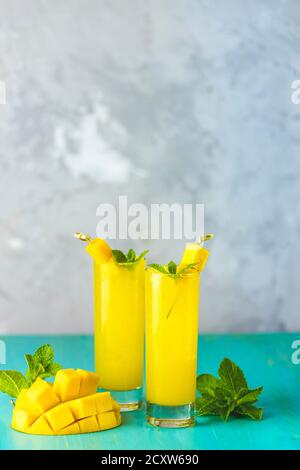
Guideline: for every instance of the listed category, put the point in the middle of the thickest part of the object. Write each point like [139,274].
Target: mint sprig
[129,258]
[228,394]
[40,364]
[171,269]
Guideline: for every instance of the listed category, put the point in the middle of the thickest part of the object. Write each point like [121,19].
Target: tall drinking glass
[171,348]
[119,330]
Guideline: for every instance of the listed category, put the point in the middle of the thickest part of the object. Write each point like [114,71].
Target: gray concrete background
[163,101]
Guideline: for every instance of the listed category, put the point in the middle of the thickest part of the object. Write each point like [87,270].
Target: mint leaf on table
[207,384]
[129,258]
[250,396]
[250,411]
[40,364]
[12,382]
[34,368]
[232,376]
[44,355]
[227,394]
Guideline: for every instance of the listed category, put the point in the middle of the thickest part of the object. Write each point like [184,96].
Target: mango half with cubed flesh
[195,254]
[70,406]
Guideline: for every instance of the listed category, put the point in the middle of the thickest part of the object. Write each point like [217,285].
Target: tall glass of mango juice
[119,330]
[119,312]
[172,300]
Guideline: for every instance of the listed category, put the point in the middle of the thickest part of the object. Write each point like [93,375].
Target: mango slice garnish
[195,254]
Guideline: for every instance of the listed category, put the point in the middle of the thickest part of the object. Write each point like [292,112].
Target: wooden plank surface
[266,360]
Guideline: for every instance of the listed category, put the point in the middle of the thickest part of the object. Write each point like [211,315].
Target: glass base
[170,416]
[129,400]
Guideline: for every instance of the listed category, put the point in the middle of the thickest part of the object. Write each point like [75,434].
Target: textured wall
[164,101]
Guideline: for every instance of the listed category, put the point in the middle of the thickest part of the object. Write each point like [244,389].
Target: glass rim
[153,271]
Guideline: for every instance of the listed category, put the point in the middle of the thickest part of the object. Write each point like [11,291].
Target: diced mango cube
[23,419]
[67,384]
[118,418]
[59,417]
[116,406]
[41,395]
[194,253]
[22,401]
[117,410]
[83,407]
[89,424]
[89,382]
[107,420]
[41,426]
[71,429]
[103,402]
[99,250]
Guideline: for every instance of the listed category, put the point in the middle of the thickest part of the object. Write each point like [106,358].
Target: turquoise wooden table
[266,360]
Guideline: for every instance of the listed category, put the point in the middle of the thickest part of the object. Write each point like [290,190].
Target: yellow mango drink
[172,299]
[119,306]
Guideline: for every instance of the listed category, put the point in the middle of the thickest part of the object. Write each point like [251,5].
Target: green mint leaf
[158,267]
[38,371]
[232,376]
[35,369]
[53,368]
[250,396]
[44,355]
[12,382]
[31,366]
[207,384]
[142,255]
[131,256]
[186,268]
[50,371]
[41,364]
[226,411]
[205,406]
[225,399]
[119,256]
[250,411]
[227,395]
[211,407]
[172,267]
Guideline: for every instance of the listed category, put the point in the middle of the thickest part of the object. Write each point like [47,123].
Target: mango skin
[92,413]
